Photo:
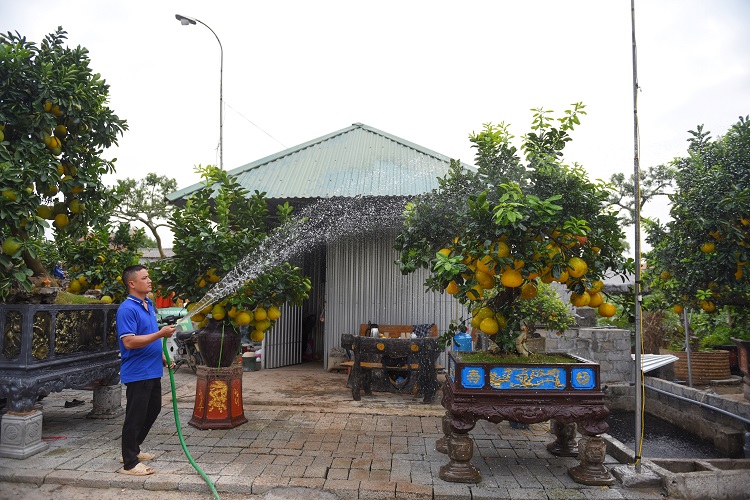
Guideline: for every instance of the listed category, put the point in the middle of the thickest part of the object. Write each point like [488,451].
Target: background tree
[54,127]
[144,201]
[654,182]
[699,259]
[489,237]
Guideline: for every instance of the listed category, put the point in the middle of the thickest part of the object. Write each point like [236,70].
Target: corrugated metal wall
[283,344]
[364,284]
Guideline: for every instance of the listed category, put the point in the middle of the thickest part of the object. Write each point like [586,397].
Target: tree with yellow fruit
[699,259]
[217,227]
[55,127]
[493,236]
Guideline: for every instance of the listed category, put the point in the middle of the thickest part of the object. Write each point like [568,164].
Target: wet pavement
[304,433]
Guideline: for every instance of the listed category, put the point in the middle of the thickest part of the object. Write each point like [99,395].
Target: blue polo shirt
[145,362]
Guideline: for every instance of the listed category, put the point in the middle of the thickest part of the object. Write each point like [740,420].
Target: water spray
[324,221]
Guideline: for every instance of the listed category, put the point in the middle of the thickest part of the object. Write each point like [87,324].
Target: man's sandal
[138,470]
[143,457]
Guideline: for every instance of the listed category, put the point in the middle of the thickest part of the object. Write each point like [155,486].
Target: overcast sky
[429,72]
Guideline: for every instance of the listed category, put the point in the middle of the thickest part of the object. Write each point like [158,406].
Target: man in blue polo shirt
[141,367]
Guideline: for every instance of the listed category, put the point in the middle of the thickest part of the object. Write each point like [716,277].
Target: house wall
[363,284]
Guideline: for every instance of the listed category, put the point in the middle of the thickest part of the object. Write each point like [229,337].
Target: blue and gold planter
[568,393]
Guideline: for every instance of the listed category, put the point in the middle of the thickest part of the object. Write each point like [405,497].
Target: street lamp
[184,20]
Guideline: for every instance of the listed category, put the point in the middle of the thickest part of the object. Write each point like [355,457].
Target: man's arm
[138,341]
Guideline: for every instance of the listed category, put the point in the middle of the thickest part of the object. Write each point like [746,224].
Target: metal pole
[686,326]
[637,284]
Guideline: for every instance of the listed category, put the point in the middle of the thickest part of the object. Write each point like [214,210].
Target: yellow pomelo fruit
[577,267]
[678,309]
[445,251]
[485,280]
[607,310]
[596,286]
[11,245]
[260,314]
[476,293]
[45,212]
[484,312]
[75,286]
[665,275]
[708,306]
[452,287]
[501,321]
[581,300]
[218,312]
[503,250]
[106,299]
[257,336]
[198,318]
[489,326]
[206,310]
[476,321]
[511,278]
[61,130]
[273,313]
[232,313]
[75,206]
[61,220]
[708,248]
[595,299]
[529,291]
[486,264]
[242,318]
[263,325]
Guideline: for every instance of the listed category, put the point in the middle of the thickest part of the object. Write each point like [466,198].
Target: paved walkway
[305,431]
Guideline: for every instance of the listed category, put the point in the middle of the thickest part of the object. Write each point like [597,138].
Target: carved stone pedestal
[592,472]
[107,402]
[21,434]
[564,444]
[218,398]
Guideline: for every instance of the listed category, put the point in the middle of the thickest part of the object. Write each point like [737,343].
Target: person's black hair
[128,273]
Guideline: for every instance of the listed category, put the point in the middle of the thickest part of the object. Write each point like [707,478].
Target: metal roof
[653,361]
[357,160]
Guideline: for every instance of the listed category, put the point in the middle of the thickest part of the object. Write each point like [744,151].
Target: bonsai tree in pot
[490,236]
[219,226]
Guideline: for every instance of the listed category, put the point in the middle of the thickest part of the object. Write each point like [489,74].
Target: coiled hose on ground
[179,427]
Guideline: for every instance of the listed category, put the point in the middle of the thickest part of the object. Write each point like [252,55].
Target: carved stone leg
[591,471]
[21,435]
[107,402]
[460,451]
[441,444]
[367,381]
[355,379]
[564,444]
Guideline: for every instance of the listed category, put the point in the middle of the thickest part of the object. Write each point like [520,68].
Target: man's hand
[167,331]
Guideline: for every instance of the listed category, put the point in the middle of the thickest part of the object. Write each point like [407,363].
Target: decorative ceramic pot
[219,343]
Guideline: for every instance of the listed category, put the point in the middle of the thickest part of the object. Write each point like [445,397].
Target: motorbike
[183,346]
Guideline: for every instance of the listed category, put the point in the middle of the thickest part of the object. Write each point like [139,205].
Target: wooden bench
[398,331]
[399,365]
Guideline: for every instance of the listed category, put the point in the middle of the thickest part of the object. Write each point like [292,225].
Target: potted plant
[489,237]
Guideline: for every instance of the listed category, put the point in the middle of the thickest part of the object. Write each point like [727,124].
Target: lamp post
[184,20]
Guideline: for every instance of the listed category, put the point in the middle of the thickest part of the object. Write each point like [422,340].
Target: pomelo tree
[700,258]
[490,236]
[219,226]
[54,128]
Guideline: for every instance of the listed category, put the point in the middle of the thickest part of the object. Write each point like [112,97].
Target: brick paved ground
[381,447]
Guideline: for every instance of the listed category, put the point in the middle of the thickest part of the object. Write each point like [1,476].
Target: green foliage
[699,259]
[54,128]
[220,225]
[545,211]
[144,201]
[546,309]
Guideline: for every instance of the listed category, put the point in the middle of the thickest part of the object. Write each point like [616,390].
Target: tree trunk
[35,265]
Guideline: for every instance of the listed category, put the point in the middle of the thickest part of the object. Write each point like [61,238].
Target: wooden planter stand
[528,393]
[218,398]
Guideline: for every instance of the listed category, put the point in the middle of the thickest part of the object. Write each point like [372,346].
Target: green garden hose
[179,428]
